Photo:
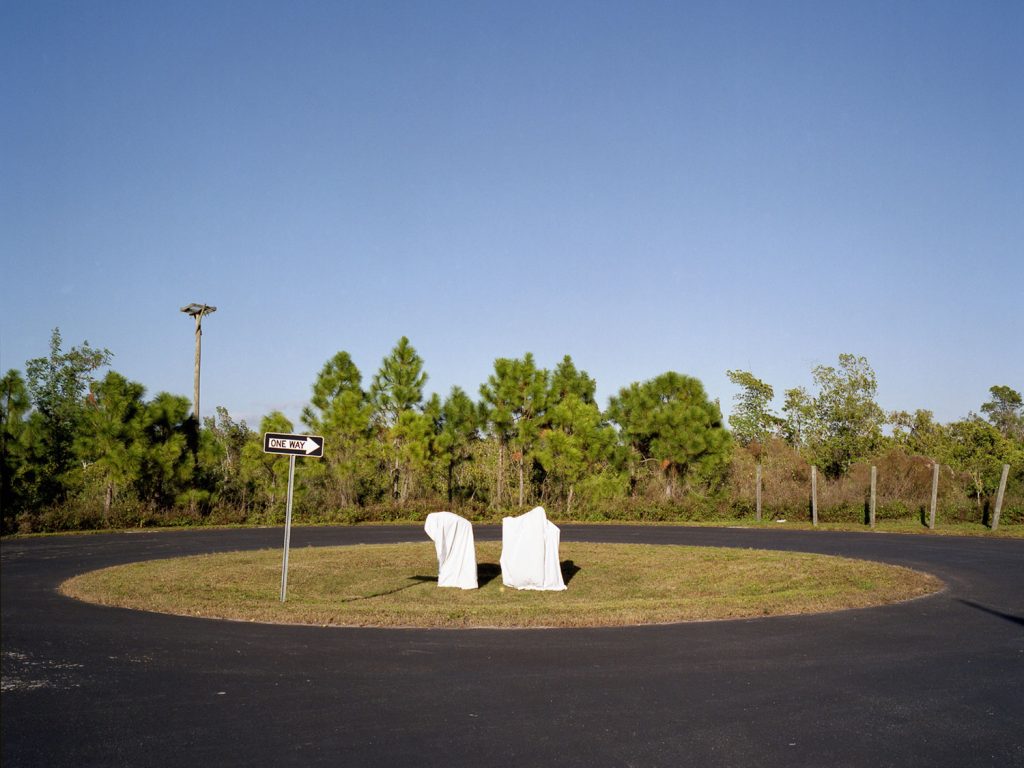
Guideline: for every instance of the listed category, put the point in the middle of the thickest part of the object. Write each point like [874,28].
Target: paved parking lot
[932,682]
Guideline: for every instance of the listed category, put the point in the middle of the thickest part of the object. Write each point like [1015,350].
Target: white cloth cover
[529,552]
[456,552]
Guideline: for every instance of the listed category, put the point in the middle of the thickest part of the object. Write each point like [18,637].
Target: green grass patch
[395,585]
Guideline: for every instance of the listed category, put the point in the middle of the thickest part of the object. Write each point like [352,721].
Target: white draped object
[529,552]
[456,552]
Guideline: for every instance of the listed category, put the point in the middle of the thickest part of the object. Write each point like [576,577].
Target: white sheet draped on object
[529,552]
[456,552]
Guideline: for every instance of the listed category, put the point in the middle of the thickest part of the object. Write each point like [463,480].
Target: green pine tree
[396,397]
[670,421]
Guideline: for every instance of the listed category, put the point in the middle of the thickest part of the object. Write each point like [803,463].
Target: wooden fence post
[814,495]
[874,488]
[935,495]
[999,496]
[758,493]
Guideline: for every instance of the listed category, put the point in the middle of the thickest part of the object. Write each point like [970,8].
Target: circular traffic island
[395,585]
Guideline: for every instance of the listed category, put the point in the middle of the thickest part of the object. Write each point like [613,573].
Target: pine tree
[574,441]
[14,410]
[109,441]
[498,396]
[458,431]
[167,464]
[669,420]
[514,396]
[398,385]
[340,411]
[267,472]
[396,396]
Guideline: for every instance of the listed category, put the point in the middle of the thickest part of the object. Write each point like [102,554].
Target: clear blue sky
[646,186]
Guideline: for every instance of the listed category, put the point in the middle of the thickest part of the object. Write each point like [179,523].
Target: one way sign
[293,445]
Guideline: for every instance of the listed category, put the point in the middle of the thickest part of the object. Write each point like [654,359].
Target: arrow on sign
[310,445]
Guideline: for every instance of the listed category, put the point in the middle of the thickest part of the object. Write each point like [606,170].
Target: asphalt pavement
[933,682]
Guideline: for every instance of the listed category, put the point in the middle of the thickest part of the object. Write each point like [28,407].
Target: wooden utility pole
[935,494]
[197,311]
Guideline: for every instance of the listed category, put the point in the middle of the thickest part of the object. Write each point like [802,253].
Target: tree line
[81,450]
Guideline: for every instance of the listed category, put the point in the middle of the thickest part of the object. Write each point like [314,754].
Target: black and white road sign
[293,445]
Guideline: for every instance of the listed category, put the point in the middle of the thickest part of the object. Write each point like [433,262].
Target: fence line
[871,501]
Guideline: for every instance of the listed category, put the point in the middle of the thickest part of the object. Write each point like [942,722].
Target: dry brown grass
[395,585]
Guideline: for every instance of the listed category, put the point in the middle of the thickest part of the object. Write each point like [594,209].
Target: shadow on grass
[416,581]
[488,572]
[569,569]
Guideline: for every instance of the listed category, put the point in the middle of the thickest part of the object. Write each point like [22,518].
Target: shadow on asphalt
[1007,616]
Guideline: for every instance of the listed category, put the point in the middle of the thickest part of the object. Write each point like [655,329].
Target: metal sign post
[291,446]
[287,529]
